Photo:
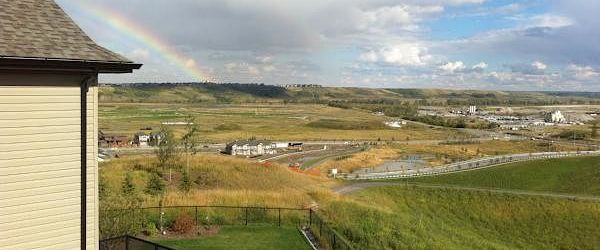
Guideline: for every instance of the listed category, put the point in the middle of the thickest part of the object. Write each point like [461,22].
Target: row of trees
[169,155]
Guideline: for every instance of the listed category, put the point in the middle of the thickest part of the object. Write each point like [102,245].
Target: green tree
[166,149]
[155,186]
[186,182]
[189,140]
[127,186]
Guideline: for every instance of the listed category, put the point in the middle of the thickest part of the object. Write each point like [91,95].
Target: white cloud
[540,66]
[460,2]
[401,54]
[402,17]
[550,21]
[583,72]
[453,67]
[138,54]
[480,66]
[269,68]
[370,56]
[461,67]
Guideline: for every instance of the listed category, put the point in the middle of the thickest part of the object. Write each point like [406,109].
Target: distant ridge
[207,92]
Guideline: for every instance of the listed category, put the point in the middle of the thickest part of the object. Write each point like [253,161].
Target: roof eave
[67,65]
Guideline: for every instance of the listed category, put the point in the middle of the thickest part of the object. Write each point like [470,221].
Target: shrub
[228,127]
[150,229]
[184,224]
[155,185]
[346,125]
[127,186]
[186,182]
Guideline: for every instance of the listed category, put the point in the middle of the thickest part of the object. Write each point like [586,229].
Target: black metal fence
[135,221]
[128,242]
[328,238]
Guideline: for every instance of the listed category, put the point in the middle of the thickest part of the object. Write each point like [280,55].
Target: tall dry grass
[220,180]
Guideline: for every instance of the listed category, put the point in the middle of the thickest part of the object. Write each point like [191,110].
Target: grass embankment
[224,123]
[578,175]
[401,217]
[220,180]
[243,237]
[436,154]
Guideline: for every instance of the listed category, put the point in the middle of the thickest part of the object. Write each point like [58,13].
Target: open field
[243,237]
[579,175]
[399,217]
[273,122]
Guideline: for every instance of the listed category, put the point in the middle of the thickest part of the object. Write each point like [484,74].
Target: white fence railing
[463,165]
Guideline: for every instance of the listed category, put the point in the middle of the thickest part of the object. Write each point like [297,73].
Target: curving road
[364,174]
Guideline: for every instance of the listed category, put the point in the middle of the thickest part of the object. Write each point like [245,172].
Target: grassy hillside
[419,218]
[570,175]
[244,93]
[219,180]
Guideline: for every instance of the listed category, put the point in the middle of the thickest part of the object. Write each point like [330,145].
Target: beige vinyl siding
[92,169]
[40,170]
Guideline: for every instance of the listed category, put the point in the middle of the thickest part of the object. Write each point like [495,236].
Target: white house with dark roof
[251,148]
[49,127]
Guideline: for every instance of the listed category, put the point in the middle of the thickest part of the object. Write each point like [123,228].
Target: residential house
[555,117]
[112,141]
[141,139]
[49,127]
[251,148]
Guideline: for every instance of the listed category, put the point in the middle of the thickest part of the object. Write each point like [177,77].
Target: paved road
[357,186]
[366,174]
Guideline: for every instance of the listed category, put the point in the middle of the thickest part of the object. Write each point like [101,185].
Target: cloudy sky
[474,44]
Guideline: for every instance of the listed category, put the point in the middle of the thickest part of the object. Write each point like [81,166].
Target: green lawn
[399,217]
[578,175]
[244,237]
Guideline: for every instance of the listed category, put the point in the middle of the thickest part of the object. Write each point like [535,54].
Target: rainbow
[146,37]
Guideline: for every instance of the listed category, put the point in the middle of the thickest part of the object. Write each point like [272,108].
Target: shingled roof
[41,30]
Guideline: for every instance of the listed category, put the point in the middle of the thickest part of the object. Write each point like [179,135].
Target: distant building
[141,139]
[112,141]
[513,126]
[472,109]
[302,86]
[251,147]
[555,117]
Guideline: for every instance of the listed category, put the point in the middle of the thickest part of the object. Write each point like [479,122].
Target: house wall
[40,161]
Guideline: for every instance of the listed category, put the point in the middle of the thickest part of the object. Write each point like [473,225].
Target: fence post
[320,227]
[333,246]
[310,216]
[196,207]
[246,216]
[126,242]
[279,217]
